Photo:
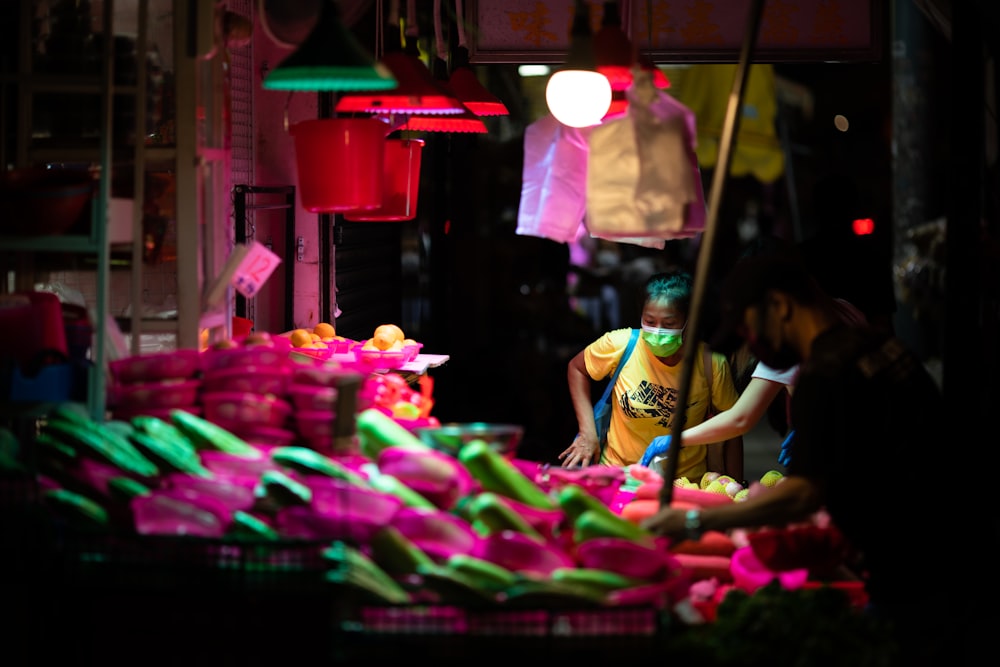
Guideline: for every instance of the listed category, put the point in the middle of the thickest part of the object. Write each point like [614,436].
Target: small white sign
[254,269]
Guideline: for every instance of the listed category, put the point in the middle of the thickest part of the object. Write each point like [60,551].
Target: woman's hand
[582,452]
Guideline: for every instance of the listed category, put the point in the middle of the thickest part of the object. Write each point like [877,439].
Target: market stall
[263,521]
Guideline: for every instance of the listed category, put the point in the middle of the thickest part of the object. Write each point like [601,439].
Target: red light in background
[863,226]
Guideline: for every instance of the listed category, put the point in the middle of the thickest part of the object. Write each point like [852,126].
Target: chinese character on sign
[255,268]
[533,24]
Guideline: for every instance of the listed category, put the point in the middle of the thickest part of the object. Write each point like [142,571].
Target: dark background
[915,155]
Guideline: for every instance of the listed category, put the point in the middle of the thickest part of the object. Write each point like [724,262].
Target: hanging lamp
[578,95]
[417,92]
[467,122]
[463,80]
[615,54]
[330,59]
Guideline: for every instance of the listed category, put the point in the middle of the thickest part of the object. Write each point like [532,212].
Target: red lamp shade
[660,79]
[466,122]
[613,51]
[417,92]
[466,87]
[619,105]
[615,56]
[470,92]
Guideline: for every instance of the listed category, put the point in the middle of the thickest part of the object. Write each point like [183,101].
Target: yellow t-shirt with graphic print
[645,399]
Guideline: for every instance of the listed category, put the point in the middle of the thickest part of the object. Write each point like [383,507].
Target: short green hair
[673,286]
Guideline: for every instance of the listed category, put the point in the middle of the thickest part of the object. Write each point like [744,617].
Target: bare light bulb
[578,98]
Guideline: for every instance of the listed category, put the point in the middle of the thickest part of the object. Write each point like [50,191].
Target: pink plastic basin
[626,557]
[521,553]
[168,512]
[339,511]
[242,470]
[749,573]
[440,534]
[232,495]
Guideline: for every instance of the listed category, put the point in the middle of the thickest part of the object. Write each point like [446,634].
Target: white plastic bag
[554,176]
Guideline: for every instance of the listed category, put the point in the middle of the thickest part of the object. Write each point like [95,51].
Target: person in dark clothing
[869,428]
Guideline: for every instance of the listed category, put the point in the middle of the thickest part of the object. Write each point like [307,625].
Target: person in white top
[765,384]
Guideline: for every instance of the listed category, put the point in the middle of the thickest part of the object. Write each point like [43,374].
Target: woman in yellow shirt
[645,394]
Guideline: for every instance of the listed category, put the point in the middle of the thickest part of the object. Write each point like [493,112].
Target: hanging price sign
[254,269]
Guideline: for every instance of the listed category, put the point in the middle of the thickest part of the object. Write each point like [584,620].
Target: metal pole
[729,129]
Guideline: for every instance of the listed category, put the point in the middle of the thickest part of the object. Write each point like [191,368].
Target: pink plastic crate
[161,394]
[246,408]
[257,356]
[308,397]
[257,379]
[180,364]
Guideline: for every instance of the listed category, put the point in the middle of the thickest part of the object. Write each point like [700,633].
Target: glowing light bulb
[578,98]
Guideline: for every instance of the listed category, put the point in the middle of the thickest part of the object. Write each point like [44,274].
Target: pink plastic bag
[553,184]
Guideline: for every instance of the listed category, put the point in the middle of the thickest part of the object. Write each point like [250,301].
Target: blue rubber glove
[785,455]
[658,446]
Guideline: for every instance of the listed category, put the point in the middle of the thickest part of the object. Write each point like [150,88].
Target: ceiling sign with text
[538,31]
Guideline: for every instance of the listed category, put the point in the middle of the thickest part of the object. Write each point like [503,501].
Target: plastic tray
[388,359]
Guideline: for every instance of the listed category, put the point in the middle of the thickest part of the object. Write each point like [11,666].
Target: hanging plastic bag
[643,182]
[553,185]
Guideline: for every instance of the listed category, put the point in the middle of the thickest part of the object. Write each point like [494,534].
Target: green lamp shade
[330,59]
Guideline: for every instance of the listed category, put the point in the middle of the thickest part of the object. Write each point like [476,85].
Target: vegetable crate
[176,563]
[445,633]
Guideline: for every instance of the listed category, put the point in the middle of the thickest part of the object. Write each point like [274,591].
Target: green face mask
[663,342]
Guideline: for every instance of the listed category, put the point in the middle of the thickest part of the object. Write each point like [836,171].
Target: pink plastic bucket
[400,186]
[340,163]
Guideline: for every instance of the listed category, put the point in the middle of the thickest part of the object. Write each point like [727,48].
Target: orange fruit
[383,340]
[324,330]
[394,332]
[301,337]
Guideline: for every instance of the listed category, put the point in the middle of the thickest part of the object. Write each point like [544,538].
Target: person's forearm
[579,392]
[794,500]
[721,427]
[737,420]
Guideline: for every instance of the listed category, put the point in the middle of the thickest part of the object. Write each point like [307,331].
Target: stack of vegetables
[398,522]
